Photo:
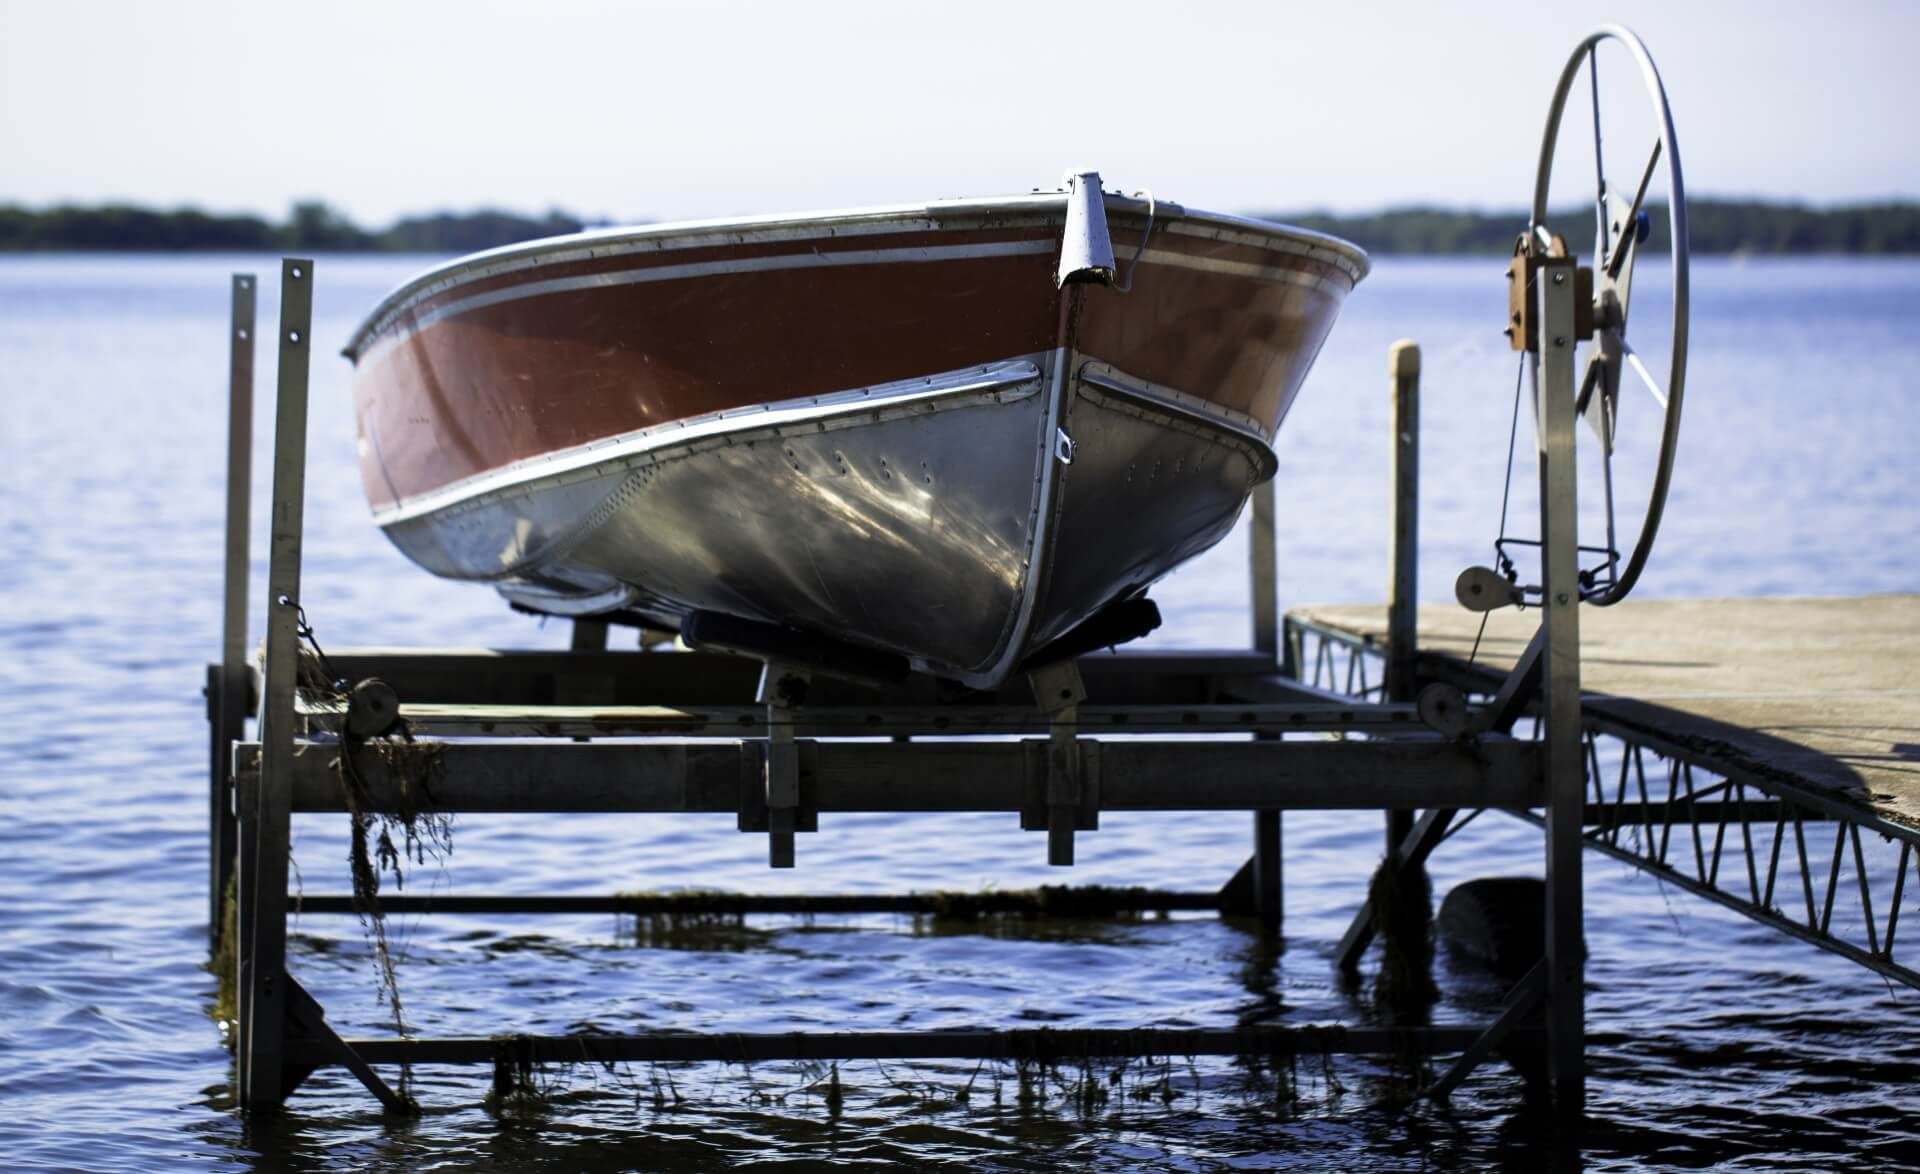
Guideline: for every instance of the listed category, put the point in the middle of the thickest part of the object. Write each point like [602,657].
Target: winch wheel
[1621,230]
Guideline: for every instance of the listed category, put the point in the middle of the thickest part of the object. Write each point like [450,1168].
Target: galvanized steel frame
[282,1033]
[1565,982]
[265,823]
[230,682]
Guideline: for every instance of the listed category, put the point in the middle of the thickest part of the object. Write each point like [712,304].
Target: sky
[653,111]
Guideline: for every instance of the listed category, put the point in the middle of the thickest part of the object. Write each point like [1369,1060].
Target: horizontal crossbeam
[488,677]
[1035,1044]
[604,721]
[1062,901]
[1123,775]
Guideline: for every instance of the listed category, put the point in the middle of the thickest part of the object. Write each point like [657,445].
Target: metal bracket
[783,690]
[1036,809]
[309,1022]
[752,812]
[1523,318]
[1068,799]
[1519,690]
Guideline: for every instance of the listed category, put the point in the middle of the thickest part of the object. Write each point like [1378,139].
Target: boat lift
[778,747]
[782,741]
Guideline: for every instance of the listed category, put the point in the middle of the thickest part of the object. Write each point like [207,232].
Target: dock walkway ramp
[1819,692]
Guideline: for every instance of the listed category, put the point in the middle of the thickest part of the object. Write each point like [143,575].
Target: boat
[951,434]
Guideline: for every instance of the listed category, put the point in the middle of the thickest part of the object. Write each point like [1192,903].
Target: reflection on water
[1715,1040]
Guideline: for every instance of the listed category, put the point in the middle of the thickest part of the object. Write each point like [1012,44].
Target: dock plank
[1820,691]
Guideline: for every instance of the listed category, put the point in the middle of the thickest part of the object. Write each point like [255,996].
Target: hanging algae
[373,849]
[224,965]
[1401,899]
[392,828]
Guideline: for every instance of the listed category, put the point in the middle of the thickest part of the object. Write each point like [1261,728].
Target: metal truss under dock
[1736,721]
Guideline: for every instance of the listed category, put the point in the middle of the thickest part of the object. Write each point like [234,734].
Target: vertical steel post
[263,983]
[1269,885]
[783,687]
[1403,517]
[1263,582]
[1564,764]
[227,684]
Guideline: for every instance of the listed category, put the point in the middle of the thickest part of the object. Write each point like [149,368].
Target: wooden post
[1268,888]
[227,683]
[1403,512]
[1262,577]
[1565,768]
[263,947]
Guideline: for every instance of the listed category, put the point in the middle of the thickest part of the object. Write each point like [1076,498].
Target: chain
[331,680]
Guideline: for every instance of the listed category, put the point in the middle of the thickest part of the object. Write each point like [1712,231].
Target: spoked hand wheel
[1624,237]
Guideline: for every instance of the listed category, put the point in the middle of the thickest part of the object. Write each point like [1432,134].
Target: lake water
[1716,1040]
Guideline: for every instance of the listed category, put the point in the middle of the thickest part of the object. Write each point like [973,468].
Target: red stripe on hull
[479,388]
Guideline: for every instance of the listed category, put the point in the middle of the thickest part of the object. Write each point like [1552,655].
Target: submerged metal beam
[1035,1044]
[1050,901]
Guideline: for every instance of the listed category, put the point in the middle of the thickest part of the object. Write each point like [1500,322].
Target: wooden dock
[1823,693]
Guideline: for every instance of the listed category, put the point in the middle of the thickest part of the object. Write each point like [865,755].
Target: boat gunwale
[1006,211]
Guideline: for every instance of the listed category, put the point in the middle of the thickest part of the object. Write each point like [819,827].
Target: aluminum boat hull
[890,427]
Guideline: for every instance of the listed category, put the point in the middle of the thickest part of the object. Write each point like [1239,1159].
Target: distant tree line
[1716,226]
[310,227]
[1713,226]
